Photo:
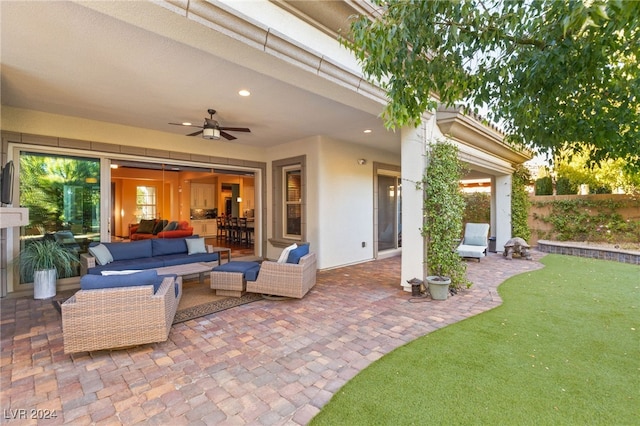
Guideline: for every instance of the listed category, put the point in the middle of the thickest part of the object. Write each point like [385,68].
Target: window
[146,202]
[292,180]
[289,201]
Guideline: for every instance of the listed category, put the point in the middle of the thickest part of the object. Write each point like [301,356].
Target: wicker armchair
[286,279]
[119,317]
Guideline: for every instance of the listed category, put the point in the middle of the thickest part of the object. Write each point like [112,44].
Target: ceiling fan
[211,129]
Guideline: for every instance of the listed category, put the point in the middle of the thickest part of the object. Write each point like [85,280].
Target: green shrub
[477,208]
[544,186]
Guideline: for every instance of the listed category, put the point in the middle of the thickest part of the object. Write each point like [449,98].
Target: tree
[552,73]
[604,177]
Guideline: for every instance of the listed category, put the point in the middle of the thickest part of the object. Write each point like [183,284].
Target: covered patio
[267,362]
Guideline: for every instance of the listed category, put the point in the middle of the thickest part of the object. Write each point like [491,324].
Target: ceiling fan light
[211,133]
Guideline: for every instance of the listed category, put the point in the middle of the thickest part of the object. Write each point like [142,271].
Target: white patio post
[501,210]
[413,142]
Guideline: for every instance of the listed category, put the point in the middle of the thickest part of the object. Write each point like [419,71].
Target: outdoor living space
[265,362]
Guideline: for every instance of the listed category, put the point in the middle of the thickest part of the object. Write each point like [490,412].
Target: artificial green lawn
[563,349]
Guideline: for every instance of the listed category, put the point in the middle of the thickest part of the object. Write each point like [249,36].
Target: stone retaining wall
[573,249]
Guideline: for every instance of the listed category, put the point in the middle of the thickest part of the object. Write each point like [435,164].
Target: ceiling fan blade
[195,133]
[236,129]
[227,135]
[185,125]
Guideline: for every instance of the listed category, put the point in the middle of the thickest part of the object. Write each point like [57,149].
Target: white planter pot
[438,288]
[44,284]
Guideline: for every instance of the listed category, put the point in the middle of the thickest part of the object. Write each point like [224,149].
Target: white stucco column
[501,210]
[412,149]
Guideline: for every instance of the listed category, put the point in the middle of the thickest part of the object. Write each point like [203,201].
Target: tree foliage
[552,73]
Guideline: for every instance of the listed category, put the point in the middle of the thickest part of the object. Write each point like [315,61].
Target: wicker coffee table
[186,269]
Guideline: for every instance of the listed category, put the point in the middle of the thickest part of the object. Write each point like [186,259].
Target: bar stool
[243,231]
[234,230]
[221,231]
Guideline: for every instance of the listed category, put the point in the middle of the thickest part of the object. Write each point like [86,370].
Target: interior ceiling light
[367,131]
[186,123]
[244,92]
[209,132]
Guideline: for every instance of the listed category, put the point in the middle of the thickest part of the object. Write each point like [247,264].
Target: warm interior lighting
[244,92]
[211,133]
[114,166]
[239,199]
[368,131]
[186,123]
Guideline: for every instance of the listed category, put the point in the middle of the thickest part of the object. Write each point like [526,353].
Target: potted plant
[43,261]
[443,210]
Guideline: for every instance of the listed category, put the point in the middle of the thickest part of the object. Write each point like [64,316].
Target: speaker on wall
[6,185]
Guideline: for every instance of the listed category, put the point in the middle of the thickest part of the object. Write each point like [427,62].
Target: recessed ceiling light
[186,123]
[368,131]
[244,92]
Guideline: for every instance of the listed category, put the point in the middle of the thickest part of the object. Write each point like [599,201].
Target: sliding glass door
[62,194]
[389,213]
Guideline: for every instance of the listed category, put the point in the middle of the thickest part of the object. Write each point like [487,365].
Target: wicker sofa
[285,279]
[116,317]
[145,254]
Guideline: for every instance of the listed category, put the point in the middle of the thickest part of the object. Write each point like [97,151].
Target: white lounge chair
[475,241]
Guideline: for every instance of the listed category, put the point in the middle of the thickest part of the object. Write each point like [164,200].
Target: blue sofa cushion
[93,282]
[296,254]
[164,246]
[240,267]
[123,265]
[133,250]
[252,274]
[181,259]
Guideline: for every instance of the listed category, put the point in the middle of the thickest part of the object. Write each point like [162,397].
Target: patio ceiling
[142,65]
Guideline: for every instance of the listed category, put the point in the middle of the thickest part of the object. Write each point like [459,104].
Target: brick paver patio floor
[264,363]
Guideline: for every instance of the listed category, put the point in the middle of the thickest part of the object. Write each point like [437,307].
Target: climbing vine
[520,203]
[588,220]
[443,210]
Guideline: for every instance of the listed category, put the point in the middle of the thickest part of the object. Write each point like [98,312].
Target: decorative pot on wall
[438,287]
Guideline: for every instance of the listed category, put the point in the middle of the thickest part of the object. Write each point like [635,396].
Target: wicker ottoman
[230,279]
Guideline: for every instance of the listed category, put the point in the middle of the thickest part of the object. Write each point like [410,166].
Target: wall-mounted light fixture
[239,199]
[362,161]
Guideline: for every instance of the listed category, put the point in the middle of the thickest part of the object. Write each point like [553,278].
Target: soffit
[145,64]
[453,122]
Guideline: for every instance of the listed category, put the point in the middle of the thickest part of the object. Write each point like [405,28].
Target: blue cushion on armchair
[296,254]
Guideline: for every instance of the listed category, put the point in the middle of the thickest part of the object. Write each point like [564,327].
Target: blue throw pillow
[93,282]
[299,252]
[171,226]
